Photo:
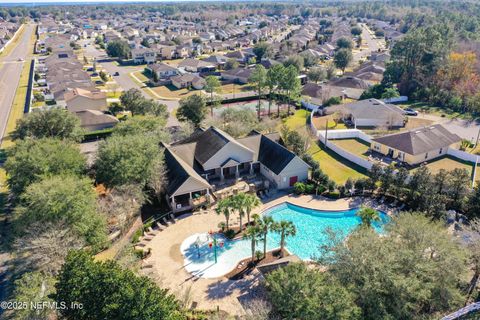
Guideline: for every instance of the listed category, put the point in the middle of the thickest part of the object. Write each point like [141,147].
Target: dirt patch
[175,253]
[245,267]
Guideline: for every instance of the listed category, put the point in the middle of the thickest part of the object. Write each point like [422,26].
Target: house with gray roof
[211,155]
[418,145]
[370,113]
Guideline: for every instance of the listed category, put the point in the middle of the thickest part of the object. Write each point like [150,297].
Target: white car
[21,59]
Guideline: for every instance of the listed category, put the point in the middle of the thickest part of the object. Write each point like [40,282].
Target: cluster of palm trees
[243,205]
[259,230]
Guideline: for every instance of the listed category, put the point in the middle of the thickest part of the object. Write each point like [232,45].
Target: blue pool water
[310,224]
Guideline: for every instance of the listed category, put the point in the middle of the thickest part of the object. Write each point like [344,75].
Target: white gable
[232,150]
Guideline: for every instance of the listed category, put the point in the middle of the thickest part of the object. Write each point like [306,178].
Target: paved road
[372,43]
[10,70]
[123,79]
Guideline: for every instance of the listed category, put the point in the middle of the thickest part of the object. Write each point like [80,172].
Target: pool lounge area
[310,224]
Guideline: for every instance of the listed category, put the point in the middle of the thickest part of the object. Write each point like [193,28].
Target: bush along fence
[28,99]
[325,136]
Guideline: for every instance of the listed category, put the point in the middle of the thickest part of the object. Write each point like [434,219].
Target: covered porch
[190,200]
[231,169]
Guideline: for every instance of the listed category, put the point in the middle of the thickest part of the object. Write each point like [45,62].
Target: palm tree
[252,233]
[224,207]
[265,224]
[286,229]
[368,215]
[239,205]
[251,202]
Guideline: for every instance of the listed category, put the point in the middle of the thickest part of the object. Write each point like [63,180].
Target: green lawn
[297,120]
[336,167]
[354,146]
[449,163]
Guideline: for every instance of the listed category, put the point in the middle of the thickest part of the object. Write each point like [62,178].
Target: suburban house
[211,155]
[418,145]
[194,65]
[163,71]
[369,113]
[93,120]
[318,94]
[80,99]
[238,75]
[217,60]
[240,56]
[188,80]
[144,55]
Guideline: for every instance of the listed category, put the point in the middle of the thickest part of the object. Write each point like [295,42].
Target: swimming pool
[310,225]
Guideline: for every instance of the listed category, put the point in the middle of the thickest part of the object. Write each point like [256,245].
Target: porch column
[251,167]
[190,200]
[221,174]
[236,172]
[173,203]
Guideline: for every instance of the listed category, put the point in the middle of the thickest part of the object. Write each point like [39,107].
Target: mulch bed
[246,266]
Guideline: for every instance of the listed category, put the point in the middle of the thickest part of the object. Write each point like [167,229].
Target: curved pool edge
[330,213]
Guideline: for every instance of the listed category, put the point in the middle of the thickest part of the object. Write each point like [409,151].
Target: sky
[77,1]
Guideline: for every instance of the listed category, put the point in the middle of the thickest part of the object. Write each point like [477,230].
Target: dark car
[116,74]
[410,112]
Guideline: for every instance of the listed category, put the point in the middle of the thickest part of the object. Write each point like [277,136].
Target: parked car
[116,74]
[21,59]
[410,112]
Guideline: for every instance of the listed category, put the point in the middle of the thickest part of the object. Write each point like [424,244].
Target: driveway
[466,129]
[10,70]
[123,79]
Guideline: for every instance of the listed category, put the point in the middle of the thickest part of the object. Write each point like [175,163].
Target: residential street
[10,70]
[123,79]
[372,44]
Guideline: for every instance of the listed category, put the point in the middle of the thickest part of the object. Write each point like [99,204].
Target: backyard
[336,167]
[355,146]
[450,163]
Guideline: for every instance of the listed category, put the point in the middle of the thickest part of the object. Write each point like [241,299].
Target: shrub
[140,254]
[258,254]
[147,225]
[332,101]
[309,188]
[137,235]
[333,194]
[299,188]
[230,233]
[321,189]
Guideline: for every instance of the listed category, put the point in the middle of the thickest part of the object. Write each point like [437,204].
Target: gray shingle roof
[420,140]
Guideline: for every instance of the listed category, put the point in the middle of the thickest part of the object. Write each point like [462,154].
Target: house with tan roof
[188,80]
[211,156]
[80,99]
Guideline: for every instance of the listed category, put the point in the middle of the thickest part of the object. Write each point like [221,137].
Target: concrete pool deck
[168,262]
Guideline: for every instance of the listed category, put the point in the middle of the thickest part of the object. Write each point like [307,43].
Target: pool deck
[167,262]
